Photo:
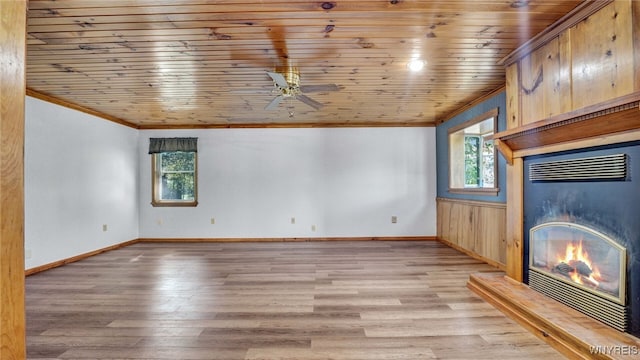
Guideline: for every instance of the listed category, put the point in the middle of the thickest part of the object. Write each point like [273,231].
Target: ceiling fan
[286,81]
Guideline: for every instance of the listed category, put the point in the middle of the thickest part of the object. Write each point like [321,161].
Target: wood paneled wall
[592,60]
[12,94]
[474,227]
[586,64]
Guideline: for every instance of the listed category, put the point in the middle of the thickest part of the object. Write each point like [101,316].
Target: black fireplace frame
[611,207]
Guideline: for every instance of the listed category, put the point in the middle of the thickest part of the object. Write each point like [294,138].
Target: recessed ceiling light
[415,64]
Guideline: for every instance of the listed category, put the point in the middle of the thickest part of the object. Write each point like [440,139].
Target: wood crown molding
[470,105]
[609,117]
[70,105]
[581,12]
[346,124]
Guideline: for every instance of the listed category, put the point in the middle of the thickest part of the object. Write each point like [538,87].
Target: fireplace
[582,231]
[580,267]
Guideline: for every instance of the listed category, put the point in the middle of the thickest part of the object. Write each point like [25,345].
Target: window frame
[491,114]
[156,176]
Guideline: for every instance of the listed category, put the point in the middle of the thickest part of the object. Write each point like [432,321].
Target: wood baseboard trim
[573,334]
[62,262]
[58,263]
[293,239]
[493,263]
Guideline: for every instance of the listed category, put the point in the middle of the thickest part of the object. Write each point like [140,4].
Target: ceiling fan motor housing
[287,82]
[291,75]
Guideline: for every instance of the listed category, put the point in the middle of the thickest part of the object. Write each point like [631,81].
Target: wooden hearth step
[572,333]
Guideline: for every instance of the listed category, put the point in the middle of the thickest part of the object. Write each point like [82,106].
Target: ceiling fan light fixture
[286,82]
[416,64]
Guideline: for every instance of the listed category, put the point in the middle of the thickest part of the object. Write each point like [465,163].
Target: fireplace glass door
[579,256]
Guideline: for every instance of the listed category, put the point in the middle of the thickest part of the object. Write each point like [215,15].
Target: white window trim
[470,190]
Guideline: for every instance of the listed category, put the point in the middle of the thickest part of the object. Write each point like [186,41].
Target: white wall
[80,173]
[348,182]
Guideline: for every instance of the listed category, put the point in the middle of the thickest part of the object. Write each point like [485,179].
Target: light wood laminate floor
[290,300]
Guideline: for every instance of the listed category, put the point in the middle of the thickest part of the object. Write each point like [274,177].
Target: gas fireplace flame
[578,256]
[578,266]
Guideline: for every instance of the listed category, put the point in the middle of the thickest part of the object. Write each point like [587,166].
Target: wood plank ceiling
[204,63]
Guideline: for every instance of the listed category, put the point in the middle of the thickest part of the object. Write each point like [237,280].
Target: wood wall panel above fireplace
[604,48]
[582,83]
[591,62]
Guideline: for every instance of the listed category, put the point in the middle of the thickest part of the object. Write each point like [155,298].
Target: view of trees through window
[478,162]
[177,175]
[472,163]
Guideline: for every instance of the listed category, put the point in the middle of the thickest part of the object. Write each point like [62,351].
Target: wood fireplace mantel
[592,122]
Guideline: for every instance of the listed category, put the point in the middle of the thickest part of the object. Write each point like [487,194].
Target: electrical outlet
[104,227]
[313,228]
[394,219]
[27,253]
[213,221]
[293,220]
[159,221]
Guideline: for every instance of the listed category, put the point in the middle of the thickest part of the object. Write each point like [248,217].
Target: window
[174,171]
[472,165]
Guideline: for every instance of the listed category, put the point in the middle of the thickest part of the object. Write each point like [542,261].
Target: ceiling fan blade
[278,78]
[277,35]
[274,103]
[309,101]
[319,88]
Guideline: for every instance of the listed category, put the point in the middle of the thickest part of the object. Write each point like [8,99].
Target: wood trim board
[499,205]
[13,16]
[293,239]
[73,259]
[575,335]
[472,254]
[609,117]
